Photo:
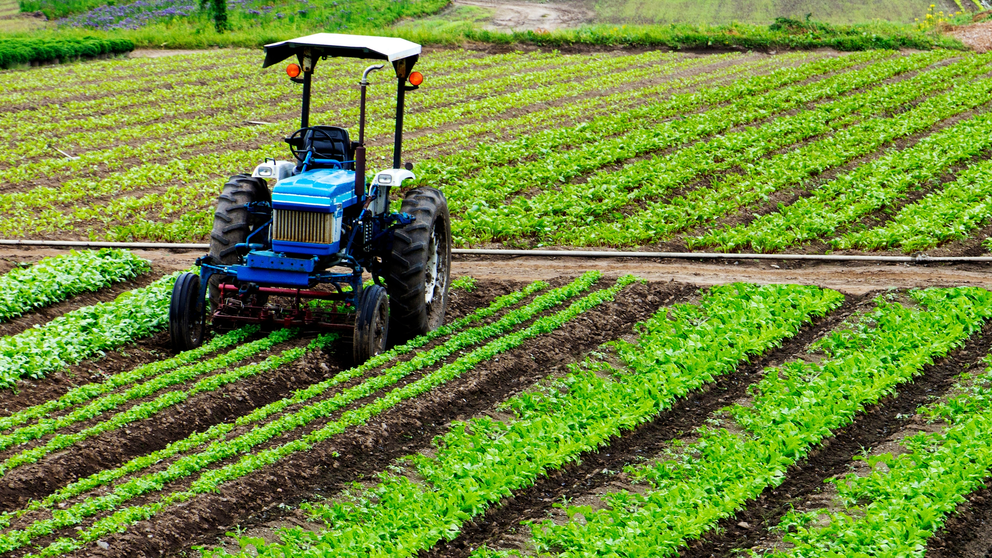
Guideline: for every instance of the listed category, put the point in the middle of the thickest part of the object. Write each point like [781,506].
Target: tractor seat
[334,145]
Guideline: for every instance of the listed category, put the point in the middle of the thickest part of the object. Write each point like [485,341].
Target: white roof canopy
[348,46]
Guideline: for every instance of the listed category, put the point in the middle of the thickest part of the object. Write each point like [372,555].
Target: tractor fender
[279,170]
[385,180]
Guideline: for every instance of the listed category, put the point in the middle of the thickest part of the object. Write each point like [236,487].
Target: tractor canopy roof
[390,49]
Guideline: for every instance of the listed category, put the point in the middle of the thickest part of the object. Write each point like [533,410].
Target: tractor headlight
[385,179]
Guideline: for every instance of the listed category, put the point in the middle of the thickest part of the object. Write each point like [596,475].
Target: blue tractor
[297,255]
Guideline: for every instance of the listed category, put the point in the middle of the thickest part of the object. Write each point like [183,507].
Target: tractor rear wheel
[186,313]
[420,266]
[233,224]
[371,324]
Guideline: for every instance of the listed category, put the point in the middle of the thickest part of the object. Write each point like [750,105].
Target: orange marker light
[416,78]
[293,70]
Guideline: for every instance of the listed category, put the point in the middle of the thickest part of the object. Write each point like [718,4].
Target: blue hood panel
[319,190]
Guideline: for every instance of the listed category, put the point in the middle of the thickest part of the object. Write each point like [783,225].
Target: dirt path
[527,16]
[850,278]
[854,278]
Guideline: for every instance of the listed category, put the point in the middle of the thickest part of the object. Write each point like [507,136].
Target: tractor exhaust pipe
[360,150]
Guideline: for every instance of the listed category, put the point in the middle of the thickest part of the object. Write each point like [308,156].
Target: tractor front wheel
[371,324]
[420,266]
[186,313]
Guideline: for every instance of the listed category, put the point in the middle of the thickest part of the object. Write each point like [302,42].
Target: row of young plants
[952,212]
[733,192]
[877,184]
[18,538]
[111,402]
[210,479]
[85,332]
[665,214]
[219,431]
[716,68]
[176,137]
[478,463]
[262,95]
[25,219]
[97,92]
[791,411]
[265,96]
[484,176]
[606,193]
[80,78]
[147,175]
[57,278]
[87,392]
[897,507]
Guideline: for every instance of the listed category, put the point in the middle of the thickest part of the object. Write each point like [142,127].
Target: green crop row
[267,95]
[47,83]
[60,518]
[141,411]
[184,213]
[877,184]
[218,431]
[573,206]
[57,278]
[185,200]
[144,176]
[481,462]
[243,444]
[605,140]
[25,50]
[950,213]
[617,101]
[86,392]
[894,510]
[793,408]
[735,191]
[85,333]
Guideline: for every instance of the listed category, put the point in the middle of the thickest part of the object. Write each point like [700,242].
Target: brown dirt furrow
[968,532]
[834,456]
[406,428]
[499,525]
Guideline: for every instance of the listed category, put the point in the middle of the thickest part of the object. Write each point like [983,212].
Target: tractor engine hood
[321,191]
[308,210]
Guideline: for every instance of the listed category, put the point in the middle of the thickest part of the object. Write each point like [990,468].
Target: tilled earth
[260,502]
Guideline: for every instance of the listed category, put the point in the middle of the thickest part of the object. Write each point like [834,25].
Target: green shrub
[16,51]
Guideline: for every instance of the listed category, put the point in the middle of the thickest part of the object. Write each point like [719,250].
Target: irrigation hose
[917,258]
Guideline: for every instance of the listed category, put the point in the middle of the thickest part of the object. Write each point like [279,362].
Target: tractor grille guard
[303,226]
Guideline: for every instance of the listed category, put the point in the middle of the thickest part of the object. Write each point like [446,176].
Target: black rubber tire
[371,324]
[413,310]
[186,313]
[233,224]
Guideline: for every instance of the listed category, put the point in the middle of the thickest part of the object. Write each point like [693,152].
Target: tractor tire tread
[410,315]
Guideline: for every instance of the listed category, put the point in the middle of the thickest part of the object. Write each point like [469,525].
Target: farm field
[558,417]
[876,151]
[566,407]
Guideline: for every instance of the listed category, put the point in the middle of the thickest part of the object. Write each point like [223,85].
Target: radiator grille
[303,226]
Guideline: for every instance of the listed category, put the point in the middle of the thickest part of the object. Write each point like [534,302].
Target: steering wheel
[297,141]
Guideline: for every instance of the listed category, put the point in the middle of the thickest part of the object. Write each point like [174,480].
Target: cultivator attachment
[304,309]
